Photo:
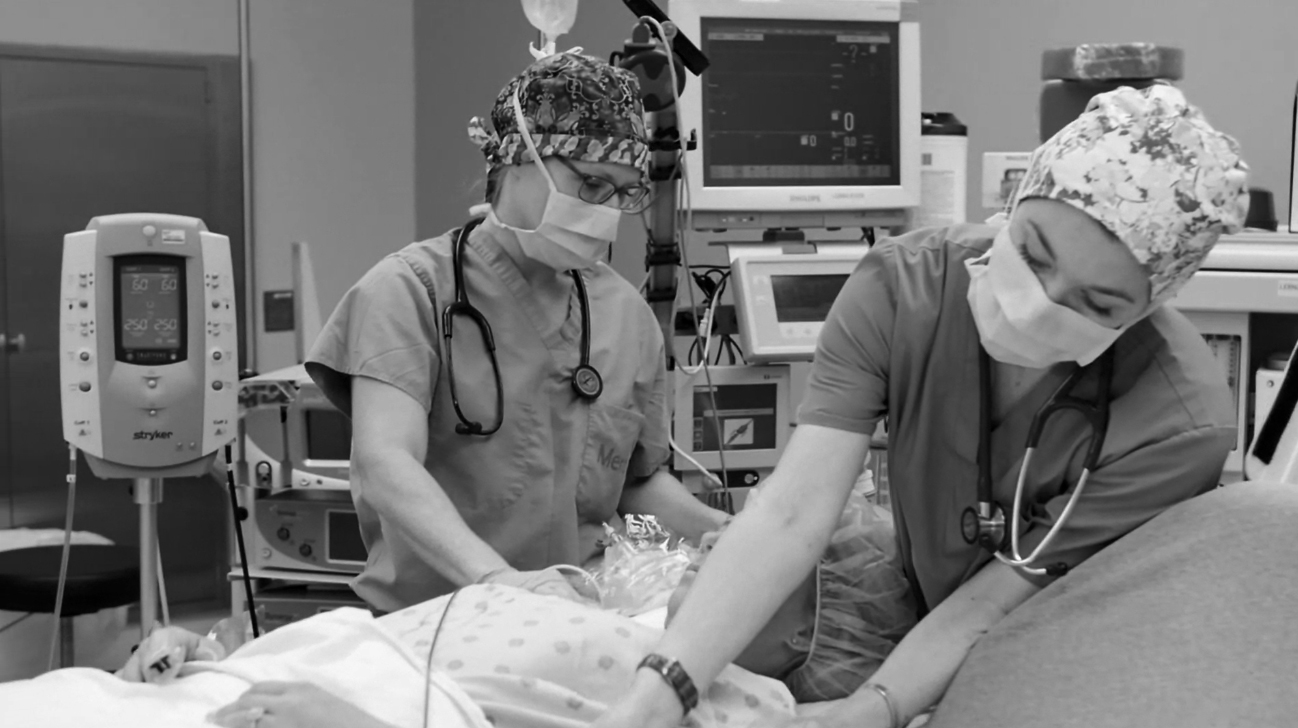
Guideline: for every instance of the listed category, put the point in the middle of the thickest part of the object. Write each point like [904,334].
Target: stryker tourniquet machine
[148,359]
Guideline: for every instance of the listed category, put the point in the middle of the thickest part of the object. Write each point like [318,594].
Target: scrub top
[901,341]
[540,489]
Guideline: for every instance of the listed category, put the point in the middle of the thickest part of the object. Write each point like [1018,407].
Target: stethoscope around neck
[986,524]
[586,381]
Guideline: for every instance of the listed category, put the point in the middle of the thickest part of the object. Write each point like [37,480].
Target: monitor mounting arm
[643,56]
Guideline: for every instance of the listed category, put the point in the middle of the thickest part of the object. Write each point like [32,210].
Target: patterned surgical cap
[575,106]
[1149,167]
[864,607]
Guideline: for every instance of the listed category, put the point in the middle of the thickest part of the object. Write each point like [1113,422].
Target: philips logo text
[151,436]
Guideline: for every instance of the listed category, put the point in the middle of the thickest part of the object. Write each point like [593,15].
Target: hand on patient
[292,705]
[159,657]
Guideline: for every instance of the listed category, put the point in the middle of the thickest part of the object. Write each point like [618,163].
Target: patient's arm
[919,670]
[293,705]
[161,654]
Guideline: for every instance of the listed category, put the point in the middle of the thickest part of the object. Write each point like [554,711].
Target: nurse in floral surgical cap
[507,388]
[1114,215]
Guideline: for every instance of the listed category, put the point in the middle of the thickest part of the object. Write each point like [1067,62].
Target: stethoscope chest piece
[987,525]
[987,531]
[586,382]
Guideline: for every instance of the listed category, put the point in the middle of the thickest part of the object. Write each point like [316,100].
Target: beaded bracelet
[676,677]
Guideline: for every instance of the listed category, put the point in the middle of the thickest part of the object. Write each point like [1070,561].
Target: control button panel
[79,375]
[220,332]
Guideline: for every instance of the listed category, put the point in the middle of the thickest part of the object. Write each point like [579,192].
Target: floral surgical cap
[1149,167]
[575,106]
[864,606]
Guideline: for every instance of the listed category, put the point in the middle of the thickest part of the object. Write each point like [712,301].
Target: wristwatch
[675,676]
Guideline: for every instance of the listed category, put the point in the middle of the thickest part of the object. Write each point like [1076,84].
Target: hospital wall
[464,53]
[982,60]
[333,118]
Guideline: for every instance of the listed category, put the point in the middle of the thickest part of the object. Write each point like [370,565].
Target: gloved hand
[158,658]
[550,581]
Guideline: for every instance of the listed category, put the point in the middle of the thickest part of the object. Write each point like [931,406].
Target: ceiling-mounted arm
[644,57]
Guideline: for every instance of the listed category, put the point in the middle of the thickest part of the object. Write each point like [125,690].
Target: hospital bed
[1187,621]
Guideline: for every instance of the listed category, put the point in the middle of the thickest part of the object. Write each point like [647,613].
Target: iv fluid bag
[552,17]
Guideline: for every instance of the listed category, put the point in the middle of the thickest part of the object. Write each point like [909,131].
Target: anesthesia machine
[787,188]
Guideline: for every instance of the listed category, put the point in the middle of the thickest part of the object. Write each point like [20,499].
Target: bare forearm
[412,501]
[749,573]
[763,556]
[768,550]
[665,497]
[919,671]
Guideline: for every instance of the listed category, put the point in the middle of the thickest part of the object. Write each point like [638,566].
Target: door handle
[14,345]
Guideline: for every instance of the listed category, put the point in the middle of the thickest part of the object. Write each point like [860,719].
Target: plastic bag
[236,630]
[641,566]
[862,506]
[553,18]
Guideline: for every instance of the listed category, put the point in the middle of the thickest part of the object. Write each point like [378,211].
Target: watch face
[587,382]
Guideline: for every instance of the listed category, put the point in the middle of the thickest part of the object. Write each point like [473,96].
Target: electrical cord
[67,553]
[685,214]
[238,535]
[16,622]
[707,474]
[162,582]
[428,667]
[704,326]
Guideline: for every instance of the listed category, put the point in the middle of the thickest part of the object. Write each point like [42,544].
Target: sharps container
[1073,76]
[943,170]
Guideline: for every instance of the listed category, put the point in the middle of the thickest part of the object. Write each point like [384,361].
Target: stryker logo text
[151,436]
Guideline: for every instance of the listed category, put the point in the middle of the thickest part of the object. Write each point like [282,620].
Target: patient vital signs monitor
[782,301]
[148,345]
[808,116]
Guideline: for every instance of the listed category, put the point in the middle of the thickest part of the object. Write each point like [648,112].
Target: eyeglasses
[597,190]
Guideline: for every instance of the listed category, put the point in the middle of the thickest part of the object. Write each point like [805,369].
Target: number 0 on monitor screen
[808,105]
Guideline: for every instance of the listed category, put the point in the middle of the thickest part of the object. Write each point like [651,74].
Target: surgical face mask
[573,234]
[1018,323]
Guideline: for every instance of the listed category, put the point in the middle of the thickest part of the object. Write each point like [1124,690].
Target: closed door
[82,137]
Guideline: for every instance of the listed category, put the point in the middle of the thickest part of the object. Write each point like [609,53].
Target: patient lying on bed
[503,657]
[1187,621]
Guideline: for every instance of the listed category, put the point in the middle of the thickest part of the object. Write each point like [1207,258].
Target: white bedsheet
[345,651]
[505,658]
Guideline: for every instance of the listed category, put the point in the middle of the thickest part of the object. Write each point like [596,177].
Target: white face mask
[573,234]
[1018,323]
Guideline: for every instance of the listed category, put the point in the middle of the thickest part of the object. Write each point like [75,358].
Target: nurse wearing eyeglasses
[507,388]
[1114,215]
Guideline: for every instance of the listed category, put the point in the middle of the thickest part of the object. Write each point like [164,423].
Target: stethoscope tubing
[586,381]
[1016,559]
[1096,415]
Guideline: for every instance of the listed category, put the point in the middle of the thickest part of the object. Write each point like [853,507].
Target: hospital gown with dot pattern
[535,661]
